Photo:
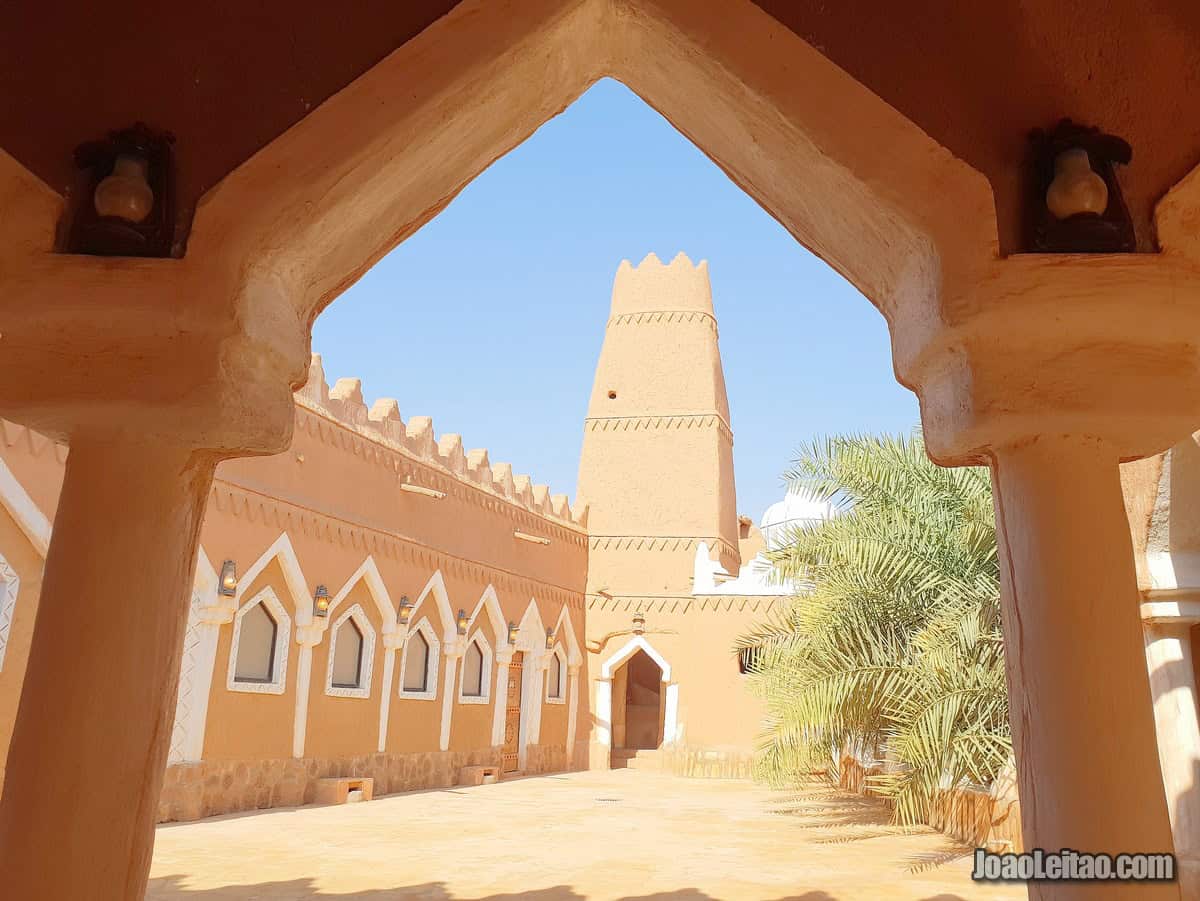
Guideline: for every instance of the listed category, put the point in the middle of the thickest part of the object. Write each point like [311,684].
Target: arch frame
[283,637]
[488,664]
[627,650]
[293,576]
[672,728]
[558,653]
[368,573]
[429,634]
[435,587]
[366,664]
[909,224]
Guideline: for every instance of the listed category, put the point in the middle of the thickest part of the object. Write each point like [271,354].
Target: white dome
[796,509]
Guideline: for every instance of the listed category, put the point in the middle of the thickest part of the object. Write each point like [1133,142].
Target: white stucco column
[1079,695]
[215,610]
[451,651]
[307,637]
[391,642]
[604,712]
[572,710]
[500,694]
[1173,684]
[671,713]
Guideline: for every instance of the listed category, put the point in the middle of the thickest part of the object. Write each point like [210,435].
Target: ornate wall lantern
[462,622]
[405,612]
[513,629]
[549,639]
[228,583]
[321,601]
[126,204]
[639,623]
[1075,201]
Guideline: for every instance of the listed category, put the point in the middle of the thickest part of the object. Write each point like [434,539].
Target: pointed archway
[656,720]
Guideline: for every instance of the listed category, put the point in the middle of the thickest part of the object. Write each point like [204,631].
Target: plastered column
[572,712]
[499,706]
[1079,694]
[392,641]
[307,637]
[600,746]
[451,651]
[1173,682]
[93,728]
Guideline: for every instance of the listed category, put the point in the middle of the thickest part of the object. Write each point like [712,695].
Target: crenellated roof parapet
[382,424]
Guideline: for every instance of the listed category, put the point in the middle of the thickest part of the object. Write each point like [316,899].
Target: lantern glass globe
[126,193]
[1077,187]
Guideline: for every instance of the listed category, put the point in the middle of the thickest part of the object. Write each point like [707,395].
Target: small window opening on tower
[612,395]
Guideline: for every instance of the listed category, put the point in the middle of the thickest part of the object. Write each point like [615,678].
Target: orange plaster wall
[715,708]
[414,724]
[471,726]
[343,727]
[245,725]
[554,721]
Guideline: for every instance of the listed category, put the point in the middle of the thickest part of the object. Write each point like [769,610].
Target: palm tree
[893,646]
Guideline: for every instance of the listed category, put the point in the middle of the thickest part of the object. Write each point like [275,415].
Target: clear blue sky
[490,319]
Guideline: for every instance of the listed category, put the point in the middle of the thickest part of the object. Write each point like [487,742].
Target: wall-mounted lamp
[549,639]
[513,629]
[126,196]
[1075,203]
[462,622]
[639,623]
[228,584]
[321,601]
[405,613]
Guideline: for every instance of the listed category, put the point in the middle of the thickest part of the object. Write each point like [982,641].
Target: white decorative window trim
[8,603]
[485,677]
[431,672]
[564,675]
[283,634]
[359,616]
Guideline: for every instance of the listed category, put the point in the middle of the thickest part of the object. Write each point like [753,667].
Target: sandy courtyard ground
[624,834]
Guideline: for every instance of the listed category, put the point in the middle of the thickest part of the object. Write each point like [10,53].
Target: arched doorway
[639,704]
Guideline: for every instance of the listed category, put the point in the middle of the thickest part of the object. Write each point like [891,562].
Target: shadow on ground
[172,888]
[837,817]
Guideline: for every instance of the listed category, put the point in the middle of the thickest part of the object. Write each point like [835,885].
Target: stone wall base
[546,759]
[192,791]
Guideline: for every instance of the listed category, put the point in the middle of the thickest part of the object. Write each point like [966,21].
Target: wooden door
[512,715]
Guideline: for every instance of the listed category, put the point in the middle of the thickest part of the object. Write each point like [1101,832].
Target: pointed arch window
[351,655]
[556,677]
[476,672]
[418,663]
[259,647]
[256,651]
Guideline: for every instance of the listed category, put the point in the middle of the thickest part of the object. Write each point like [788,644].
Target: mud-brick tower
[657,461]
[657,473]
